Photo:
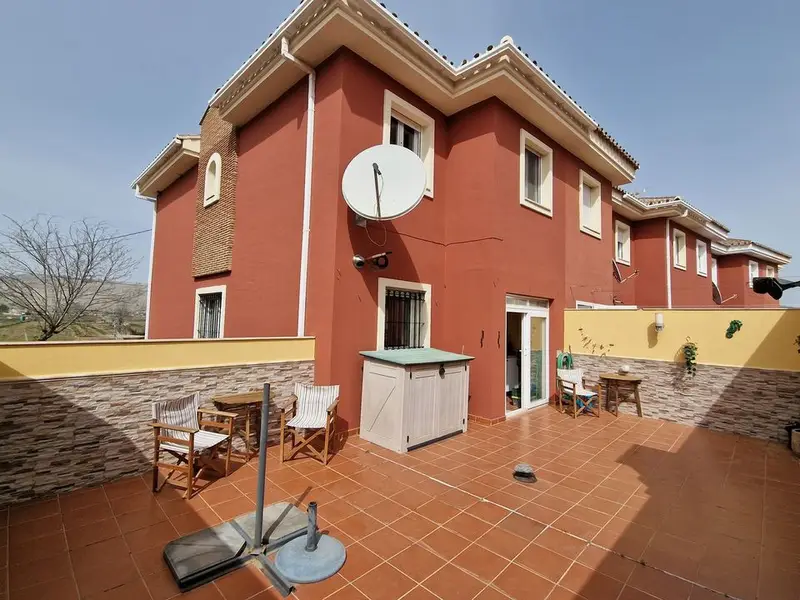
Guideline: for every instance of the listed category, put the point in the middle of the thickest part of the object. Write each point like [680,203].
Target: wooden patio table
[247,405]
[612,382]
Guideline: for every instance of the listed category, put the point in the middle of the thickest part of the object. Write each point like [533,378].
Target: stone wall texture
[752,402]
[64,434]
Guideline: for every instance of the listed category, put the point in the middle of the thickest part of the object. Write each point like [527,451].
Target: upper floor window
[212,181]
[702,258]
[752,267]
[591,218]
[770,271]
[209,312]
[679,249]
[405,125]
[536,174]
[714,271]
[622,243]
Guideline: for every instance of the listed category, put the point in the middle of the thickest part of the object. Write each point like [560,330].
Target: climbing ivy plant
[733,328]
[690,357]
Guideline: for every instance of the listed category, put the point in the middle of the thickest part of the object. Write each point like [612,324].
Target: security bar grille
[404,322]
[210,317]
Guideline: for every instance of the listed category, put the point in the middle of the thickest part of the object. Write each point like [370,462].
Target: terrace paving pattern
[624,509]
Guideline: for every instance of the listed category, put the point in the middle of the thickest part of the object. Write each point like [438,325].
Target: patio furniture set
[574,396]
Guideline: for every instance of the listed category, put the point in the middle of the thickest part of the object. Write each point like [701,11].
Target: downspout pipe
[312,81]
[150,267]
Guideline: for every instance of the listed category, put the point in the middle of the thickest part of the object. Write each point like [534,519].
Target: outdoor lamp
[659,322]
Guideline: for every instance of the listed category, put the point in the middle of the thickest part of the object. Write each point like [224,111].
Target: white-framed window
[679,249]
[769,271]
[622,242]
[209,312]
[591,216]
[406,125]
[714,271]
[752,268]
[582,305]
[702,258]
[535,173]
[213,177]
[404,314]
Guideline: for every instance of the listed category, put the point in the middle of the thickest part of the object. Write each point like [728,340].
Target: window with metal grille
[404,323]
[210,315]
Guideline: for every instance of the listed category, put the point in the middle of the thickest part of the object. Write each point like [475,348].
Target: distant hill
[133,298]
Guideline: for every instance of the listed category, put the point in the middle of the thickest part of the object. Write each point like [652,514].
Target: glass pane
[587,198]
[533,166]
[394,130]
[538,349]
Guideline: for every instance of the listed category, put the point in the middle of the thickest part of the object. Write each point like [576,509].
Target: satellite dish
[717,296]
[772,286]
[384,182]
[618,275]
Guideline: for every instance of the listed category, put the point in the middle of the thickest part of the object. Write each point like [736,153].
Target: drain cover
[524,472]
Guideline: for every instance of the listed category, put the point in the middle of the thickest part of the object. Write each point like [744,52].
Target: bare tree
[59,275]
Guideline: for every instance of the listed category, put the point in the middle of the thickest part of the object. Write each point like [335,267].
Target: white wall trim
[668,258]
[412,286]
[392,103]
[545,152]
[150,275]
[211,190]
[591,224]
[676,234]
[621,225]
[214,289]
[702,267]
[750,265]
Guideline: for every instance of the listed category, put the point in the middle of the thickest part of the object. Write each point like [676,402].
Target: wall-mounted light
[659,322]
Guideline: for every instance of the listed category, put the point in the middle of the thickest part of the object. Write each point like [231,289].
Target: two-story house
[252,236]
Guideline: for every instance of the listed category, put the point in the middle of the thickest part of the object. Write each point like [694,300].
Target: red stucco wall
[625,293]
[689,289]
[734,279]
[648,250]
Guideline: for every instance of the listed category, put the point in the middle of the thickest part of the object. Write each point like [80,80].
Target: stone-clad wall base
[57,435]
[752,402]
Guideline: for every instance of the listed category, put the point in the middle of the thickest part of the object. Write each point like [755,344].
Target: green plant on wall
[690,357]
[733,328]
[592,345]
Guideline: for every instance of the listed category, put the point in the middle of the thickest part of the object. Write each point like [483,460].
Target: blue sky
[704,93]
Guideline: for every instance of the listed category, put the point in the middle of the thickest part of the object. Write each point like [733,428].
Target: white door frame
[518,305]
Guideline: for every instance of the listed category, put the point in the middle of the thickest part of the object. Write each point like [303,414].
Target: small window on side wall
[404,314]
[752,267]
[591,215]
[702,258]
[405,125]
[209,312]
[536,174]
[679,249]
[769,271]
[211,187]
[622,243]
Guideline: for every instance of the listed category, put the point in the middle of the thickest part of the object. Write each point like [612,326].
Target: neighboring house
[252,236]
[679,251]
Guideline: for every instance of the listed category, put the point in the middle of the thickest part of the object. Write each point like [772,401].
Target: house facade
[519,220]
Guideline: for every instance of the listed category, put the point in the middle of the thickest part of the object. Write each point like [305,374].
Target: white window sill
[591,232]
[622,261]
[545,210]
[701,274]
[210,201]
[680,267]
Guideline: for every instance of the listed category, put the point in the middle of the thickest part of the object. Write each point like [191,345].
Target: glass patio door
[527,340]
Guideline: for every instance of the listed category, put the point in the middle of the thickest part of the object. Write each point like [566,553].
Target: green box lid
[416,356]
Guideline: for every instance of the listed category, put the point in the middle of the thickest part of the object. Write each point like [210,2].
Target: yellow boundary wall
[765,341]
[47,360]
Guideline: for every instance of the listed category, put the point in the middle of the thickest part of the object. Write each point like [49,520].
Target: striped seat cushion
[203,440]
[181,412]
[313,402]
[575,377]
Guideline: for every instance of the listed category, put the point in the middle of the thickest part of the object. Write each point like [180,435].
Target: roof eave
[179,155]
[754,250]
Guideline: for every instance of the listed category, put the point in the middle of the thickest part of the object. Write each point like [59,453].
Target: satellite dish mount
[618,275]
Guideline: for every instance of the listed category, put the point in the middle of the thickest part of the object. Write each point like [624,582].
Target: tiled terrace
[626,509]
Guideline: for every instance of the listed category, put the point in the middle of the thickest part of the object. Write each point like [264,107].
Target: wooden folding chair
[313,408]
[178,430]
[573,395]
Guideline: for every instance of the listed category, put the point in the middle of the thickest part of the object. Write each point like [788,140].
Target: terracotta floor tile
[589,515]
[57,589]
[522,526]
[342,487]
[133,503]
[234,508]
[134,590]
[364,498]
[411,498]
[458,499]
[386,542]
[195,521]
[359,561]
[23,532]
[659,584]
[384,583]
[437,511]
[674,555]
[243,583]
[337,510]
[590,584]
[39,571]
[487,511]
[92,533]
[101,578]
[480,563]
[607,563]
[502,542]
[414,526]
[320,590]
[33,510]
[537,512]
[221,493]
[359,525]
[81,499]
[445,543]
[521,584]
[544,561]
[150,560]
[178,506]
[451,583]
[349,592]
[147,537]
[417,562]
[141,518]
[105,552]
[387,511]
[161,585]
[491,593]
[126,487]
[563,544]
[467,526]
[78,517]
[582,529]
[631,593]
[631,542]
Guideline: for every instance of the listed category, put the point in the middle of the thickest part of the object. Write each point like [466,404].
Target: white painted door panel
[420,413]
[450,400]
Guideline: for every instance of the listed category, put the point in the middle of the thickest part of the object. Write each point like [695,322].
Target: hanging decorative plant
[797,343]
[733,328]
[690,356]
